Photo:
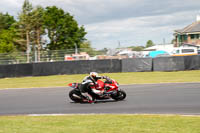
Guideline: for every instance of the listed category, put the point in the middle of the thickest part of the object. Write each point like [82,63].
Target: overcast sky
[130,22]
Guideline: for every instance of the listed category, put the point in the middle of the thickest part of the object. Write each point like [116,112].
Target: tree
[137,48]
[26,24]
[63,30]
[173,41]
[38,28]
[6,21]
[149,43]
[7,33]
[33,23]
[86,47]
[6,41]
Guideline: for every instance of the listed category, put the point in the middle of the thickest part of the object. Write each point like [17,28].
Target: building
[189,35]
[165,47]
[80,56]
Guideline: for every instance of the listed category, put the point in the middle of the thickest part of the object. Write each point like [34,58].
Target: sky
[122,23]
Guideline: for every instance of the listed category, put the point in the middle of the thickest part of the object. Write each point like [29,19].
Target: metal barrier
[48,56]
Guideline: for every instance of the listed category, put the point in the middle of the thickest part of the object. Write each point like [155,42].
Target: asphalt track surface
[176,98]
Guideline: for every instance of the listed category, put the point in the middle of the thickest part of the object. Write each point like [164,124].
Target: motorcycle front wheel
[121,95]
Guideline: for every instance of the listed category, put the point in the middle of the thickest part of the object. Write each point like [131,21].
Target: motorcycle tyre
[77,100]
[121,95]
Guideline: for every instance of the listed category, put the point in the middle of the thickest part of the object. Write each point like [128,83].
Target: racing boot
[88,97]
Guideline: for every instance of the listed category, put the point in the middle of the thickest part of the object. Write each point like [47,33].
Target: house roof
[194,27]
[160,47]
[189,45]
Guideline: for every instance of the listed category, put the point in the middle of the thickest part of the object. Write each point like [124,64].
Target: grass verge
[100,124]
[122,78]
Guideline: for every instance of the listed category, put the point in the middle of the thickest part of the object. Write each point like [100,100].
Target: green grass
[100,124]
[122,78]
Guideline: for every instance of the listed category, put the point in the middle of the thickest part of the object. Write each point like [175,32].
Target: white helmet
[93,74]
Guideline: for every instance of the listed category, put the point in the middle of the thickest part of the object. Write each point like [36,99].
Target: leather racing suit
[89,84]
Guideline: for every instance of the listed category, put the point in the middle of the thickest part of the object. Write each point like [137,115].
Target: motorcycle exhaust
[76,96]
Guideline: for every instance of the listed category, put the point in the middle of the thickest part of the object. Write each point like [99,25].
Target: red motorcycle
[109,86]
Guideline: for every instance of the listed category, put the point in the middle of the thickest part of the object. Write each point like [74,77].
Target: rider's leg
[88,96]
[98,92]
[84,92]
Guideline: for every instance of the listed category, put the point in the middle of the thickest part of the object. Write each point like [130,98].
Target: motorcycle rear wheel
[73,94]
[121,95]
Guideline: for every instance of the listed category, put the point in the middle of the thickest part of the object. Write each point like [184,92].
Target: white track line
[186,115]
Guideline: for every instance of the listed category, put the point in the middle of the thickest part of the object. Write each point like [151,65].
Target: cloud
[137,31]
[10,6]
[95,11]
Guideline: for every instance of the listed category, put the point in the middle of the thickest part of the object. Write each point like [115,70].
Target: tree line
[37,28]
[149,43]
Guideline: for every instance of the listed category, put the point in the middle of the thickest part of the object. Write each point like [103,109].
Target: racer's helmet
[93,75]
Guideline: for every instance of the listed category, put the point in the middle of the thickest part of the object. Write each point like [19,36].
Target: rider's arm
[99,77]
[85,78]
[104,77]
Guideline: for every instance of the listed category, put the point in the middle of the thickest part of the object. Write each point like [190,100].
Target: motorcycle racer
[109,88]
[90,83]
